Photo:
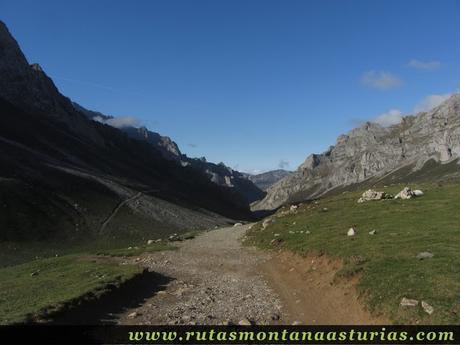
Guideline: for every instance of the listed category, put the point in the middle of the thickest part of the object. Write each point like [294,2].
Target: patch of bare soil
[311,295]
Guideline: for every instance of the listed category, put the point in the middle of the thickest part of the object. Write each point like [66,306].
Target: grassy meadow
[40,283]
[386,261]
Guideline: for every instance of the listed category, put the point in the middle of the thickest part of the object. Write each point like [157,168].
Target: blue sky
[255,84]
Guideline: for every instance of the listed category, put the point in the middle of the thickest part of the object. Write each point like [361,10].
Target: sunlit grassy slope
[386,261]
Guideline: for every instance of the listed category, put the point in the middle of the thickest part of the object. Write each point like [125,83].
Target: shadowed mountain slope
[62,174]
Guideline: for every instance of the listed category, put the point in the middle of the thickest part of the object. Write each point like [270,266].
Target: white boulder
[417,192]
[408,193]
[371,194]
[407,302]
[427,308]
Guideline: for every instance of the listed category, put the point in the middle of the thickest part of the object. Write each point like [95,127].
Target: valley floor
[214,279]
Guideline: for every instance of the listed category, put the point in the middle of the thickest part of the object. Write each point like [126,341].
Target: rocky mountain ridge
[219,174]
[266,179]
[371,151]
[63,175]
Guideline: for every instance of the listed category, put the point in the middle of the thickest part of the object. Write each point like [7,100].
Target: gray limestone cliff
[372,150]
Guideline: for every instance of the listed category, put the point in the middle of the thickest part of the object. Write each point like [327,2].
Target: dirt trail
[119,206]
[213,279]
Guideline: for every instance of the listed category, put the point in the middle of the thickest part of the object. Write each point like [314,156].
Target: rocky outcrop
[372,151]
[408,193]
[371,195]
[168,148]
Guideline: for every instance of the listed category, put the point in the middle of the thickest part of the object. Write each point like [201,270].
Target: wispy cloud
[283,164]
[424,65]
[389,118]
[192,145]
[119,121]
[381,80]
[430,102]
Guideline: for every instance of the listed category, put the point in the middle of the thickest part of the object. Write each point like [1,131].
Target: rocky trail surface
[213,279]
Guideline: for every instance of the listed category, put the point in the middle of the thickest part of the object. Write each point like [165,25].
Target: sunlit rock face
[372,150]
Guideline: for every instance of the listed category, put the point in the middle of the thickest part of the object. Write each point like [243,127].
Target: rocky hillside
[267,179]
[372,151]
[219,174]
[63,175]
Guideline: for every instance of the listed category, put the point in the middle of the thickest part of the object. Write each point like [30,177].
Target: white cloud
[395,116]
[381,80]
[430,102]
[428,65]
[119,121]
[391,117]
[283,164]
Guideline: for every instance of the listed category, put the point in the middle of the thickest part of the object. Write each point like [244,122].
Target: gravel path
[214,280]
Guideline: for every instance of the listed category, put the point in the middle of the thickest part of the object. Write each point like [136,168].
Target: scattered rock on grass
[408,193]
[351,232]
[371,194]
[293,208]
[424,255]
[373,232]
[407,302]
[237,224]
[266,223]
[427,308]
[276,242]
[149,242]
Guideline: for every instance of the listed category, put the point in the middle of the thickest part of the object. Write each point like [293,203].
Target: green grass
[78,269]
[137,250]
[40,286]
[15,253]
[387,263]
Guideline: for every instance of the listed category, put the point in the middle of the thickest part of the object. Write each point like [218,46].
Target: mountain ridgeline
[219,174]
[423,146]
[64,176]
[267,179]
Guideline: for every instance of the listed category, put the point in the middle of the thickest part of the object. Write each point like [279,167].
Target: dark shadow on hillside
[260,214]
[107,308]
